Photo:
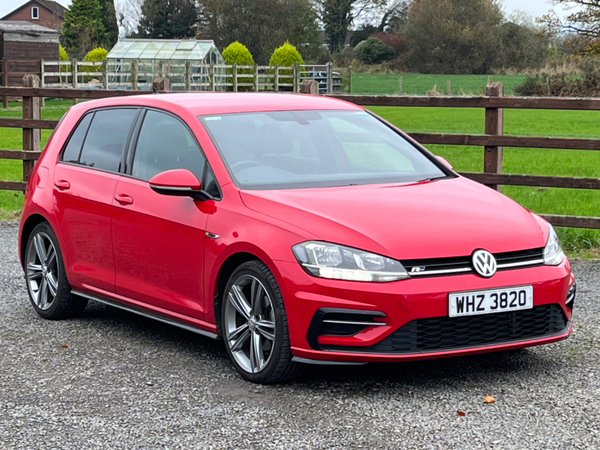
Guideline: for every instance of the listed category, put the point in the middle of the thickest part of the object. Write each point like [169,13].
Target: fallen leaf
[489,399]
[461,413]
[64,345]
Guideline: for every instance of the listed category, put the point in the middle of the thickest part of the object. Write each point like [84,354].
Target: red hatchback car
[299,229]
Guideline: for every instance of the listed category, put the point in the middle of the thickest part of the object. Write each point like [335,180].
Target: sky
[534,7]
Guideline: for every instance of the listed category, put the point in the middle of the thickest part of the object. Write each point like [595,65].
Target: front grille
[460,265]
[449,333]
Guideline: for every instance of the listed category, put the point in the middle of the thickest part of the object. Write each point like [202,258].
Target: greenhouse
[189,63]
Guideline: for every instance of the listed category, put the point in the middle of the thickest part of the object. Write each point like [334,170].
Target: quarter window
[73,148]
[165,143]
[106,138]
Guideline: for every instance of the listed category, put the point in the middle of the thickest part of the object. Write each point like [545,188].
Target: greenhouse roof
[163,49]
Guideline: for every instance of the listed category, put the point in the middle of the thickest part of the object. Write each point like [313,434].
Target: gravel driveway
[110,379]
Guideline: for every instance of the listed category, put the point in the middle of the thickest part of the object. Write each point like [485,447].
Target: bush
[238,53]
[586,84]
[397,42]
[62,55]
[373,51]
[97,54]
[286,56]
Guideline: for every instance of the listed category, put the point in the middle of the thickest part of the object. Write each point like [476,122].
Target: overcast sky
[535,7]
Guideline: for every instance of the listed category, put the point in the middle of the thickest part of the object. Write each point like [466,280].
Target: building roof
[54,7]
[22,26]
[163,49]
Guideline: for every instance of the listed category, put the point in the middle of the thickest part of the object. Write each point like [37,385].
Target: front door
[158,239]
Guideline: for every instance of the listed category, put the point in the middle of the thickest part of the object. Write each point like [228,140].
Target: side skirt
[148,314]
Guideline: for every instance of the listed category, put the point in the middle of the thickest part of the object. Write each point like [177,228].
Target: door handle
[124,199]
[62,184]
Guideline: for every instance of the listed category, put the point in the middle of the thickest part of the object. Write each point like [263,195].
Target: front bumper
[410,317]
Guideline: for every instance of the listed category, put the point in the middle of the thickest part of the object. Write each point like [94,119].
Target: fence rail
[493,141]
[184,76]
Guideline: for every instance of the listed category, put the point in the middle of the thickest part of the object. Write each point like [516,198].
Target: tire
[47,284]
[256,332]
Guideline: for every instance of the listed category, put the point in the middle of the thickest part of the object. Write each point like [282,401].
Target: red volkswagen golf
[298,229]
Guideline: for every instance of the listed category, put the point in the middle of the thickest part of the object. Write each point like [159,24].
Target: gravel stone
[111,379]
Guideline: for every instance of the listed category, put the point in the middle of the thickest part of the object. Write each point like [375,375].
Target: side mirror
[178,182]
[444,162]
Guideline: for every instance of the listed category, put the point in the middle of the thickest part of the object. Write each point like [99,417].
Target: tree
[337,16]
[109,20]
[168,19]
[261,24]
[522,47]
[453,36]
[83,28]
[585,23]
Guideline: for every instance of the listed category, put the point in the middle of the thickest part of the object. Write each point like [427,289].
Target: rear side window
[106,138]
[73,149]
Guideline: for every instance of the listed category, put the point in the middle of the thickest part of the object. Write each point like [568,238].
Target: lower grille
[446,333]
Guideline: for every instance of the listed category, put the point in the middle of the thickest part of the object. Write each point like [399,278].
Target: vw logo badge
[484,263]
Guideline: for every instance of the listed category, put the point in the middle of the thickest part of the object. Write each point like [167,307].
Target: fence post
[134,74]
[211,76]
[31,136]
[188,76]
[448,87]
[276,79]
[5,82]
[42,83]
[105,74]
[296,77]
[400,85]
[161,84]
[349,79]
[235,78]
[329,78]
[255,81]
[494,125]
[74,72]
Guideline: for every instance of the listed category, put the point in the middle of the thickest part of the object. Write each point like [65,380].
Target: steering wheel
[236,167]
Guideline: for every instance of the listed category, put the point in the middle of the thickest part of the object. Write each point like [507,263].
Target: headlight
[338,262]
[553,253]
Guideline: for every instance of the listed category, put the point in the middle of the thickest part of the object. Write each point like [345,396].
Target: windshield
[299,149]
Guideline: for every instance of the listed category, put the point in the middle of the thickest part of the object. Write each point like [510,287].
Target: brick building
[46,13]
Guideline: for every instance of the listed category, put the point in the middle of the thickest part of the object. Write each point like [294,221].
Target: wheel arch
[227,268]
[30,223]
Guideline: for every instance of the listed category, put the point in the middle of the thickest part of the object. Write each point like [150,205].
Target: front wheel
[255,326]
[47,284]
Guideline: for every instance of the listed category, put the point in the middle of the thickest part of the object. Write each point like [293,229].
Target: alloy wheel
[249,323]
[42,271]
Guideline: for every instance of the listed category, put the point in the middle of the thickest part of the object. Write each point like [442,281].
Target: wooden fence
[184,76]
[493,140]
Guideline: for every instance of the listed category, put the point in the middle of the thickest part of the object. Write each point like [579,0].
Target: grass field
[463,158]
[419,84]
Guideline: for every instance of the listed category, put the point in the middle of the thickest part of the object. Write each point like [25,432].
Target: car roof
[206,103]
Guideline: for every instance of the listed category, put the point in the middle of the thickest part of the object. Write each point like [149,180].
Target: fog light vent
[341,322]
[571,296]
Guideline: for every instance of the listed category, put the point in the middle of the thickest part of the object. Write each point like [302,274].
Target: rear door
[85,180]
[159,239]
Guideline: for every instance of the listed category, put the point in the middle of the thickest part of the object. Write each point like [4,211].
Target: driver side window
[165,143]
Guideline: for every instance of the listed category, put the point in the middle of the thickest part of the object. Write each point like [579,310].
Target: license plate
[490,301]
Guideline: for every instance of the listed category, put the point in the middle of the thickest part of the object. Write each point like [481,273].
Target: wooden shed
[23,45]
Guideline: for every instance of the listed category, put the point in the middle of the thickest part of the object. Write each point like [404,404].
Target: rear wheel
[255,326]
[47,284]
